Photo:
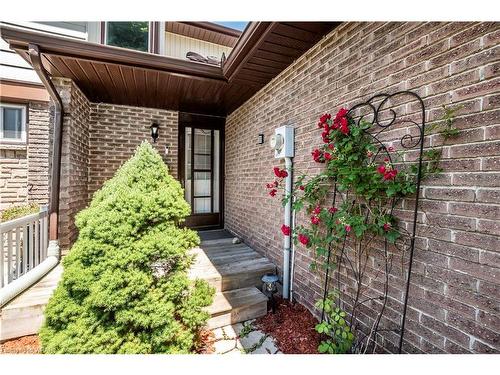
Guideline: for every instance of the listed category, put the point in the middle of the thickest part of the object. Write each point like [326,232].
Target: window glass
[12,123]
[133,35]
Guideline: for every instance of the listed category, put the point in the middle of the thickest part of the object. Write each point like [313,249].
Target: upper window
[13,122]
[133,35]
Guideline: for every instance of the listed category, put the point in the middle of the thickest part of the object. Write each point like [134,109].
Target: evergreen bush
[125,287]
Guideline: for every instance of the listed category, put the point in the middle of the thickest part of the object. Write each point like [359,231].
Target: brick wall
[116,131]
[455,295]
[24,168]
[74,159]
[39,133]
[97,139]
[13,176]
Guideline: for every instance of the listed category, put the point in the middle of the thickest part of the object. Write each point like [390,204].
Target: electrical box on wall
[283,142]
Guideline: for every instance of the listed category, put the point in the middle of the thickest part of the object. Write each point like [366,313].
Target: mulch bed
[292,327]
[205,342]
[31,344]
[22,345]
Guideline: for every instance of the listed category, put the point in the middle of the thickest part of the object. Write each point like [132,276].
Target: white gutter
[287,221]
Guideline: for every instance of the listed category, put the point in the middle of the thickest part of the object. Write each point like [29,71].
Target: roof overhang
[122,76]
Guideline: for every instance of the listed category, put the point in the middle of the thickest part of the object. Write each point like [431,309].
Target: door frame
[199,121]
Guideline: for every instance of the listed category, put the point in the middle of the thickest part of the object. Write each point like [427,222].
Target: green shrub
[15,212]
[125,287]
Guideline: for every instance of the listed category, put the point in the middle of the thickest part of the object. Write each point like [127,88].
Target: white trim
[23,123]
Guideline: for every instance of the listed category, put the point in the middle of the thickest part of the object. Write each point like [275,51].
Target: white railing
[24,245]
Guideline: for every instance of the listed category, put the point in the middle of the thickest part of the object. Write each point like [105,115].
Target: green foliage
[15,212]
[132,35]
[445,127]
[339,338]
[125,287]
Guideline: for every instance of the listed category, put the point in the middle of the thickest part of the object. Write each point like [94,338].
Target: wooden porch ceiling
[120,76]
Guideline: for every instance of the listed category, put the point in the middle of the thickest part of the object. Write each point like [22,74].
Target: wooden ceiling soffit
[254,35]
[64,47]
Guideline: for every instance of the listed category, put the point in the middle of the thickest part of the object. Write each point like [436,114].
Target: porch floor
[234,270]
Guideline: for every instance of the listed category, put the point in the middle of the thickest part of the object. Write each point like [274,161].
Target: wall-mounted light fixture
[154,131]
[260,139]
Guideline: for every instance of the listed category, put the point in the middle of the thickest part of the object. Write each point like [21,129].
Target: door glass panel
[202,182]
[216,170]
[202,161]
[202,149]
[202,141]
[202,205]
[187,166]
[202,169]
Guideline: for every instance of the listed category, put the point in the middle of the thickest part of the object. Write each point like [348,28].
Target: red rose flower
[303,239]
[328,156]
[325,136]
[387,227]
[301,187]
[332,210]
[381,169]
[386,160]
[273,192]
[331,146]
[281,173]
[344,126]
[277,171]
[325,117]
[390,175]
[315,220]
[285,229]
[348,228]
[317,154]
[317,210]
[341,113]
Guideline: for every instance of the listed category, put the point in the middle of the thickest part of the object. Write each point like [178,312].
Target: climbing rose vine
[371,176]
[358,167]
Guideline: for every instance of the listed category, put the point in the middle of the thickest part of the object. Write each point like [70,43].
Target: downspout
[36,62]
[292,265]
[287,220]
[19,285]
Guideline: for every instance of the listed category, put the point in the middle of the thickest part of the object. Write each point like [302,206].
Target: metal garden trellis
[407,141]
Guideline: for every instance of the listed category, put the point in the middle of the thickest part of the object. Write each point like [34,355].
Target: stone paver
[267,347]
[243,338]
[224,346]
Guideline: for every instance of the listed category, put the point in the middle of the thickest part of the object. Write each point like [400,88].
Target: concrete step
[236,306]
[24,314]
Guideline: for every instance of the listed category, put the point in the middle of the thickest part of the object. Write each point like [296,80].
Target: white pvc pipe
[16,287]
[287,239]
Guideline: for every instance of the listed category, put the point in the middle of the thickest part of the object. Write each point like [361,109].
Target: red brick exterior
[454,296]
